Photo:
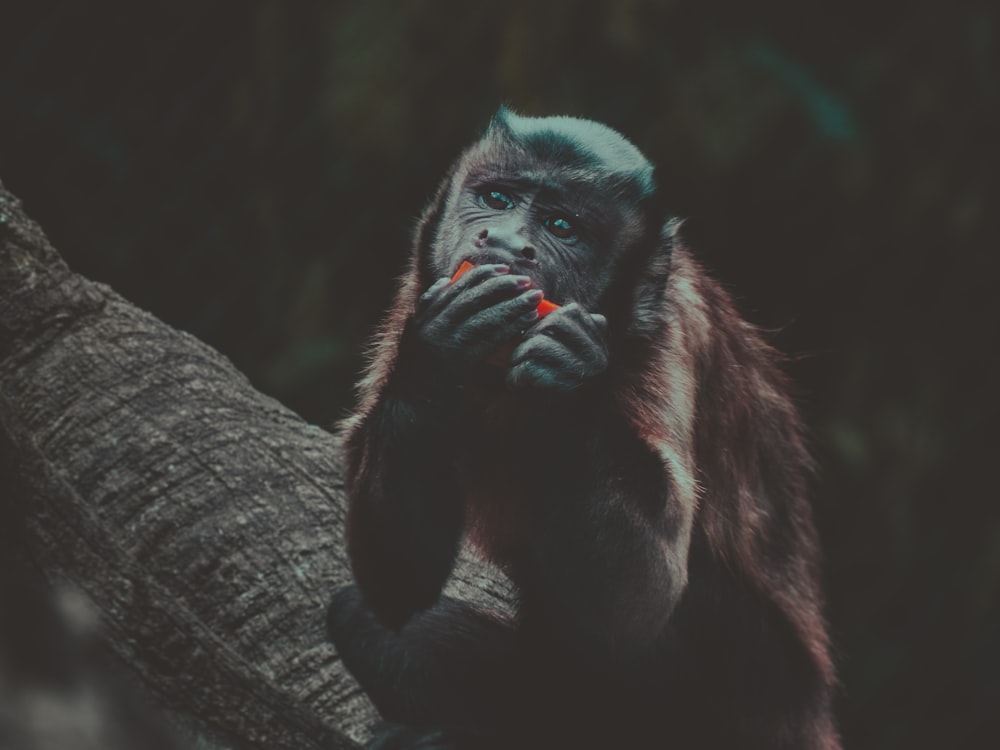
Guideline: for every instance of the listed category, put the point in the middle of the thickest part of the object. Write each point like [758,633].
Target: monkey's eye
[560,226]
[496,200]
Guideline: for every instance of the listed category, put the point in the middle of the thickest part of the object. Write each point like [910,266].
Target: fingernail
[523,282]
[500,268]
[534,296]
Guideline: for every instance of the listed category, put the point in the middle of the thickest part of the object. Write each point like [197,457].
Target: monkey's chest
[496,525]
[496,471]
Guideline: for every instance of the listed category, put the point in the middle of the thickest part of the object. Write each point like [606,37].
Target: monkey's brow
[550,186]
[500,177]
[553,178]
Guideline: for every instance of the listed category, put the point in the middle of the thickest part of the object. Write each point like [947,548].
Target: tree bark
[201,519]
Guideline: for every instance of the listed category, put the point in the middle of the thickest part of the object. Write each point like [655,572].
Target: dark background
[250,172]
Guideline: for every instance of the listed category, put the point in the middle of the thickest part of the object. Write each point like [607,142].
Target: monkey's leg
[452,667]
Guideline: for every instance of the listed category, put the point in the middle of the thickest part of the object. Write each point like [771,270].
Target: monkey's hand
[562,352]
[458,325]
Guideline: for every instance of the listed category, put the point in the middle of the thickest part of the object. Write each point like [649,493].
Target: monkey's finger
[534,374]
[585,362]
[576,328]
[433,290]
[468,284]
[487,329]
[477,275]
[471,278]
[445,290]
[567,315]
[504,311]
[575,312]
[600,322]
[540,349]
[574,349]
[464,303]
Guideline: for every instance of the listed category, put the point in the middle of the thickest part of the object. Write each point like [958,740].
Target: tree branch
[202,519]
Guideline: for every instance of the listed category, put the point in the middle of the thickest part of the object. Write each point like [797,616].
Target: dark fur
[655,520]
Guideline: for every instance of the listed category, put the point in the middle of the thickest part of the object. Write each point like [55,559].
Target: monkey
[633,461]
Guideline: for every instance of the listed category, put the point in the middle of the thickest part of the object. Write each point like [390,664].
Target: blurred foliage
[251,172]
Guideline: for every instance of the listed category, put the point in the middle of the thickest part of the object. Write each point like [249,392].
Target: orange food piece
[466,266]
[544,307]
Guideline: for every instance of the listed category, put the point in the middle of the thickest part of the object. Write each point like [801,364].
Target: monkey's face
[558,234]
[546,203]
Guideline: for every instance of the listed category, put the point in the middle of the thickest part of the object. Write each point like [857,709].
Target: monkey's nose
[507,243]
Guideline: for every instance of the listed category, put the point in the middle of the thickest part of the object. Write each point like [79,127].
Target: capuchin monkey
[631,460]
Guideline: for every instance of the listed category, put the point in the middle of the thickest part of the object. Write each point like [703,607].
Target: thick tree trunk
[201,519]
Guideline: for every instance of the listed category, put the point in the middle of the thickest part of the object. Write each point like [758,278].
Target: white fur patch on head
[603,145]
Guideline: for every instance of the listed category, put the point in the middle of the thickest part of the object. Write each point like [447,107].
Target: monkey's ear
[648,300]
[501,121]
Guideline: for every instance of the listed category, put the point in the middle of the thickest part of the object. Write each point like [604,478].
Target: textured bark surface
[202,519]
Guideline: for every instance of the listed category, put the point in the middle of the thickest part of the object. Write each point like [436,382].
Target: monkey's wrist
[422,380]
[425,367]
[585,401]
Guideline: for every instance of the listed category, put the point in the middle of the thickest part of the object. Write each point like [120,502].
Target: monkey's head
[569,203]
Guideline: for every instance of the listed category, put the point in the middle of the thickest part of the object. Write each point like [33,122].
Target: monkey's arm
[404,521]
[609,549]
[608,553]
[405,515]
